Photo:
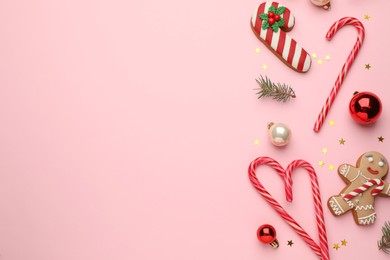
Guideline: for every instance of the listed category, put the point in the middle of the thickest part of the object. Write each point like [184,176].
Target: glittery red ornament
[267,234]
[365,107]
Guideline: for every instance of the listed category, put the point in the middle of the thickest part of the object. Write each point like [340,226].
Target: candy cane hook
[335,27]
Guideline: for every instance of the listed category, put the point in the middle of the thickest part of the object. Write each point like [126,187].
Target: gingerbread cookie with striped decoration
[364,182]
[270,22]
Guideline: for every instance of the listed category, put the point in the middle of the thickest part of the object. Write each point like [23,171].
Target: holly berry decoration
[365,107]
[273,18]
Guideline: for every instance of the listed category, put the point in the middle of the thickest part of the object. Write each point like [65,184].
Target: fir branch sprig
[384,243]
[279,92]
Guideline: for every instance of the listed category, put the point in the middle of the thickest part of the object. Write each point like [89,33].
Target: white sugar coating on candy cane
[297,56]
[286,47]
[275,40]
[291,21]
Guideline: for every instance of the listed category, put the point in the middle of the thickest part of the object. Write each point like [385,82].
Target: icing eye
[381,163]
[370,159]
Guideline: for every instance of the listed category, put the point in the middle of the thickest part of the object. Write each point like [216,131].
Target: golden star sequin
[367,66]
[256,142]
[336,246]
[324,150]
[319,61]
[321,163]
[381,139]
[367,17]
[331,123]
[331,167]
[327,58]
[314,55]
[290,242]
[344,242]
[342,141]
[257,50]
[265,66]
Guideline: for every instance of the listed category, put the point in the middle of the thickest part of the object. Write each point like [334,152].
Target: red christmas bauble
[266,234]
[271,21]
[365,107]
[277,17]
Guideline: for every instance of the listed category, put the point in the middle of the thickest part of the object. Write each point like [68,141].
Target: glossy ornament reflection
[267,235]
[365,107]
[279,134]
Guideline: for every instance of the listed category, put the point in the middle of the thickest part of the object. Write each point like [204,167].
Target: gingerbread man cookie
[364,182]
[270,22]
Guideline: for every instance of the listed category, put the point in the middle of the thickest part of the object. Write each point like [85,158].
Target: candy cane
[335,27]
[320,250]
[364,187]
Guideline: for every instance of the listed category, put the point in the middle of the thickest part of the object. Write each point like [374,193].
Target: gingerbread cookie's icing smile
[372,171]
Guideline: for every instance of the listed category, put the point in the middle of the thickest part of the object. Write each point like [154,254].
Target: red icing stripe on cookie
[282,41]
[269,36]
[286,17]
[292,51]
[302,59]
[259,22]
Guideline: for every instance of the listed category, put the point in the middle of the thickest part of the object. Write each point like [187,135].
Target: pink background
[127,128]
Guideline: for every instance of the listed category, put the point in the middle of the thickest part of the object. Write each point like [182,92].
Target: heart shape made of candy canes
[322,249]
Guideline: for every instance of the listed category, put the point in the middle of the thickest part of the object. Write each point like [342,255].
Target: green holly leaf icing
[281,22]
[264,16]
[272,9]
[275,27]
[265,25]
[280,10]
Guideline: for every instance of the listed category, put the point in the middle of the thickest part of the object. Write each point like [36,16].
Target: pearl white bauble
[279,134]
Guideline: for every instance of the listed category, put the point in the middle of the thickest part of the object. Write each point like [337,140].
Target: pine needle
[384,243]
[279,92]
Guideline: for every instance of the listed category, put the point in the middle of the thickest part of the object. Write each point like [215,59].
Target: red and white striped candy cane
[335,27]
[322,249]
[364,187]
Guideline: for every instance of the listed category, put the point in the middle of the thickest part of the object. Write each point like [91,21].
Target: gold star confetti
[290,242]
[342,141]
[314,55]
[367,17]
[381,139]
[336,246]
[319,61]
[256,142]
[324,150]
[265,66]
[331,123]
[344,242]
[321,163]
[331,167]
[367,66]
[257,50]
[327,58]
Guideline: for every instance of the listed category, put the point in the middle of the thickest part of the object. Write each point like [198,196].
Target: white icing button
[370,159]
[381,163]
